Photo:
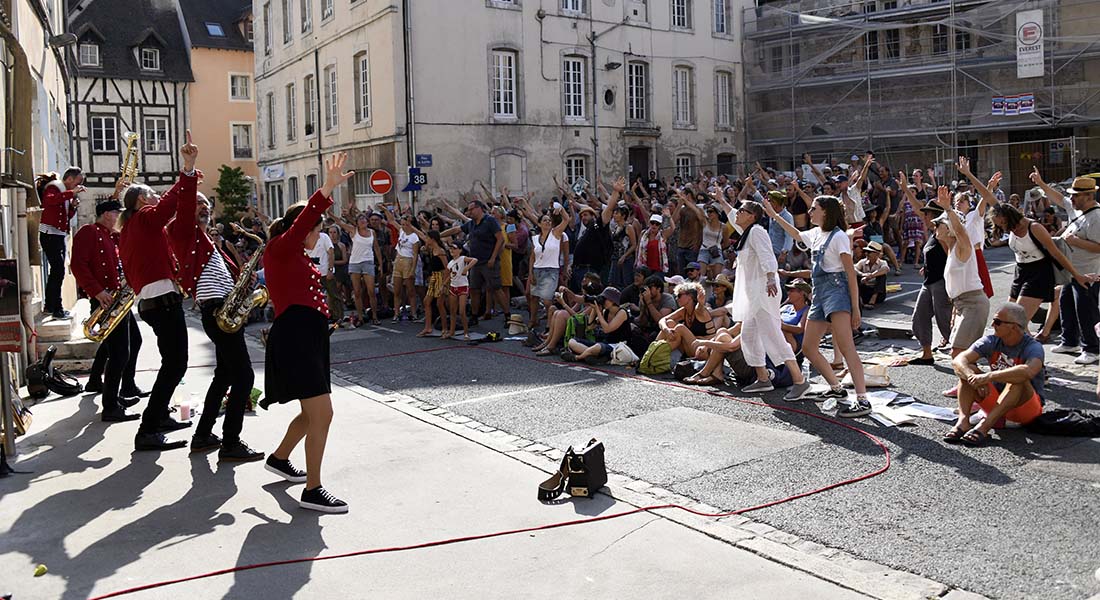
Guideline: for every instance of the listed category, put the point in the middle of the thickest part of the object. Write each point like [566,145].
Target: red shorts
[1023,414]
[460,291]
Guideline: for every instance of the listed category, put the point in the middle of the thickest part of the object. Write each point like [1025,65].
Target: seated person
[689,323]
[613,327]
[714,351]
[631,294]
[794,313]
[872,271]
[721,294]
[570,304]
[654,304]
[1011,389]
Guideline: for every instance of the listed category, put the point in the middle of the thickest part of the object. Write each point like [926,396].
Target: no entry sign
[381,182]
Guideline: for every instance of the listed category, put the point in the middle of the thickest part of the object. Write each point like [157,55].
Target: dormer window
[150,59]
[89,54]
[214,29]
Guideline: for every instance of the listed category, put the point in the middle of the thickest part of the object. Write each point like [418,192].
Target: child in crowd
[458,271]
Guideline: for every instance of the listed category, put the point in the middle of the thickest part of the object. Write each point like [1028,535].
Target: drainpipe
[317,103]
[26,286]
[410,110]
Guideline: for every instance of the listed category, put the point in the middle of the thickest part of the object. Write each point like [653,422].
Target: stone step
[72,349]
[62,330]
[73,366]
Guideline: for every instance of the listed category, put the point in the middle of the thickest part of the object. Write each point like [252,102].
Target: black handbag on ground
[581,474]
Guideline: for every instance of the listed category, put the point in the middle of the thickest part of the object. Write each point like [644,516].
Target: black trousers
[53,246]
[233,374]
[120,354]
[165,315]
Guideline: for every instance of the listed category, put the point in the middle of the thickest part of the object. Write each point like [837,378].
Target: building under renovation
[1010,84]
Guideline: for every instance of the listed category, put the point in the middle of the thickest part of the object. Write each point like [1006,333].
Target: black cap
[107,206]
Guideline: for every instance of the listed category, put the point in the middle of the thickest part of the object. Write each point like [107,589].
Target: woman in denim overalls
[835,300]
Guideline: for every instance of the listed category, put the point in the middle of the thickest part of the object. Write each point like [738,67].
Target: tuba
[105,318]
[241,299]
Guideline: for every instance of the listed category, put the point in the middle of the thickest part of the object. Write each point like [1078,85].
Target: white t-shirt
[406,242]
[320,252]
[456,267]
[815,239]
[975,228]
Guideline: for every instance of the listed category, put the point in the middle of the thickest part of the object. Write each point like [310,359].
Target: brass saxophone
[105,318]
[240,301]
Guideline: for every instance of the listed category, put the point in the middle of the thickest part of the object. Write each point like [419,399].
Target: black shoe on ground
[94,386]
[128,401]
[61,314]
[321,500]
[202,443]
[284,469]
[239,452]
[169,424]
[931,360]
[597,360]
[834,393]
[119,416]
[859,408]
[131,391]
[156,442]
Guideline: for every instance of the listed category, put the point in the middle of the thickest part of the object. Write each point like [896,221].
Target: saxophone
[240,301]
[105,318]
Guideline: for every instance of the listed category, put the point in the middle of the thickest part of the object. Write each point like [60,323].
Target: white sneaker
[1087,358]
[1064,349]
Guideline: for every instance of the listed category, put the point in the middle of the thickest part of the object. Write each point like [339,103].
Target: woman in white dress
[756,304]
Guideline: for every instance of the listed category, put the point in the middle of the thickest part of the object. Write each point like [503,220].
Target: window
[275,204]
[270,120]
[939,39]
[240,87]
[307,15]
[249,30]
[288,31]
[892,42]
[362,87]
[328,8]
[573,6]
[683,100]
[89,55]
[572,80]
[311,183]
[331,118]
[575,168]
[962,40]
[637,91]
[681,14]
[723,91]
[291,113]
[267,28]
[721,16]
[310,103]
[685,166]
[214,29]
[504,84]
[870,39]
[292,190]
[104,134]
[155,134]
[776,59]
[150,59]
[242,140]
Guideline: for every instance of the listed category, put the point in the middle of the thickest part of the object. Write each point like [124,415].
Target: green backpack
[657,359]
[576,327]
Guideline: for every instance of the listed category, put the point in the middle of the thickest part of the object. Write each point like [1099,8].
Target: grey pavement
[103,518]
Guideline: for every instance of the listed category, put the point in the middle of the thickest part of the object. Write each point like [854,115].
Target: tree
[234,192]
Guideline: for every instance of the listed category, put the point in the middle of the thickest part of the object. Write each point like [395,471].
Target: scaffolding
[914,81]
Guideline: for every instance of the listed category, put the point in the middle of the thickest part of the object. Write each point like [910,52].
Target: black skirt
[1034,280]
[297,358]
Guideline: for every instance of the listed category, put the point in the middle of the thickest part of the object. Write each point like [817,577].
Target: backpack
[657,359]
[1066,422]
[575,327]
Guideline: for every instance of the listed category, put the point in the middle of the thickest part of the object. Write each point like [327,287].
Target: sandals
[423,334]
[697,379]
[974,438]
[955,435]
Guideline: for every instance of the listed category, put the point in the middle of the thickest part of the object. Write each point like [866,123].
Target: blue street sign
[423,160]
[416,180]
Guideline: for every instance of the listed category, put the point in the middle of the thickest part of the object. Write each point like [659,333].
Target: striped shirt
[215,282]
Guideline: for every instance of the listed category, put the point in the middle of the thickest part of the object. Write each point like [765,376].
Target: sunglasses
[998,323]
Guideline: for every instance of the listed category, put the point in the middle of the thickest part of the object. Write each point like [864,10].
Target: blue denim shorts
[705,258]
[830,295]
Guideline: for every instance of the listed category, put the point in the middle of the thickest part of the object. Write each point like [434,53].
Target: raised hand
[995,180]
[1035,177]
[334,173]
[943,198]
[964,165]
[189,152]
[807,159]
[902,178]
[619,185]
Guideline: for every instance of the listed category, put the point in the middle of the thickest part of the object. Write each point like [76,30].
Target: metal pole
[1073,155]
[5,407]
[410,120]
[595,113]
[954,41]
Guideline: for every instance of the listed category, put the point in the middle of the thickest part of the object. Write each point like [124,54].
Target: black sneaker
[202,443]
[94,386]
[568,355]
[321,500]
[284,469]
[832,394]
[859,408]
[239,451]
[132,391]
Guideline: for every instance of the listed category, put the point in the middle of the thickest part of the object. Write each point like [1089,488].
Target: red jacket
[192,246]
[57,206]
[95,259]
[290,275]
[143,245]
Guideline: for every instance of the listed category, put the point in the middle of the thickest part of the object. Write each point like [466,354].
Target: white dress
[750,290]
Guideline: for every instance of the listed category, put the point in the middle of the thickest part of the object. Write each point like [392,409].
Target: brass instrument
[234,313]
[105,318]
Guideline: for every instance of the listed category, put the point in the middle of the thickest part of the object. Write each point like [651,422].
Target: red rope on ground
[484,536]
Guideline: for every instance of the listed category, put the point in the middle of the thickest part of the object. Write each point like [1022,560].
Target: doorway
[639,162]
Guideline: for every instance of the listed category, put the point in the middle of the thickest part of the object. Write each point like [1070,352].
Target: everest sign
[1029,44]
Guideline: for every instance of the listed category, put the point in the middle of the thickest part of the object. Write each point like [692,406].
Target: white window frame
[291,112]
[309,106]
[248,129]
[362,87]
[574,7]
[86,58]
[266,17]
[574,166]
[683,96]
[154,134]
[234,95]
[328,10]
[149,59]
[288,21]
[504,93]
[573,84]
[722,17]
[270,119]
[105,141]
[292,190]
[331,100]
[685,166]
[637,91]
[681,16]
[306,9]
[723,99]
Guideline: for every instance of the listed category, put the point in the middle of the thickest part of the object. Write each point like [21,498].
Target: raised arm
[789,228]
[986,194]
[963,246]
[1052,194]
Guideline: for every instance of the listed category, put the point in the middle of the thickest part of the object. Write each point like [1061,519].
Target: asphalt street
[1014,519]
